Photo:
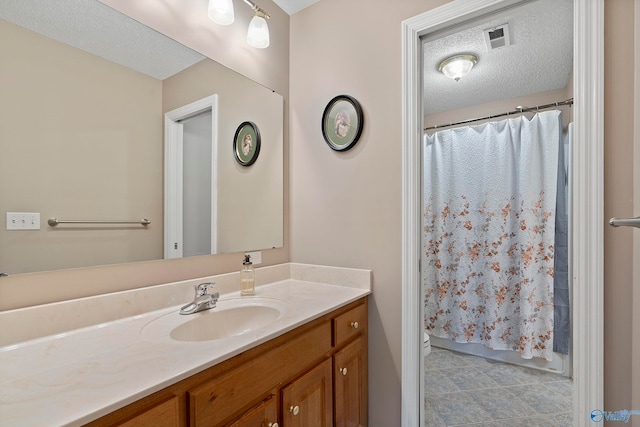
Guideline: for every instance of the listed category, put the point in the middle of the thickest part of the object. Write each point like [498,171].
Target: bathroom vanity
[293,355]
[287,381]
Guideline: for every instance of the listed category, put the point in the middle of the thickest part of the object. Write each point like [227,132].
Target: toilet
[427,344]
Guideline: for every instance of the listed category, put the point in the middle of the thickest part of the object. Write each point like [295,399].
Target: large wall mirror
[85,90]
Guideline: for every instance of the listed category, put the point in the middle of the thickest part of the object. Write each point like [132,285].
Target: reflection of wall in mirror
[64,166]
[250,199]
[69,170]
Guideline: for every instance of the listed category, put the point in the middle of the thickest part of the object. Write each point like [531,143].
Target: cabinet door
[307,402]
[263,415]
[350,387]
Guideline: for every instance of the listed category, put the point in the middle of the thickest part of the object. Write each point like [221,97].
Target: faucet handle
[214,299]
[203,288]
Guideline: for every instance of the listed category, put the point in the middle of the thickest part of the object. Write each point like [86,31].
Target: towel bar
[55,221]
[625,222]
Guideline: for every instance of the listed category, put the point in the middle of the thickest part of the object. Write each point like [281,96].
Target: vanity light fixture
[457,66]
[258,32]
[221,11]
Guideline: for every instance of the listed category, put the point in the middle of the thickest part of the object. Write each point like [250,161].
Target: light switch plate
[256,257]
[23,221]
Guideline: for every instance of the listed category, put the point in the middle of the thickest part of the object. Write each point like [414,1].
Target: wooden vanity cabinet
[263,415]
[164,414]
[314,375]
[219,399]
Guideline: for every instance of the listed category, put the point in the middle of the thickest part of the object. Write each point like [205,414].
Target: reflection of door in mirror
[191,179]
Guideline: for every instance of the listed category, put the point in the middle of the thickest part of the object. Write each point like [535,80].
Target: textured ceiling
[293,6]
[93,27]
[539,59]
[96,28]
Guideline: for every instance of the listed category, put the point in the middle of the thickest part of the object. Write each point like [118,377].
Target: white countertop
[71,378]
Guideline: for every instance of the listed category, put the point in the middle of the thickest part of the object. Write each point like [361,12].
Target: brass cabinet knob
[295,410]
[354,325]
[273,425]
[343,371]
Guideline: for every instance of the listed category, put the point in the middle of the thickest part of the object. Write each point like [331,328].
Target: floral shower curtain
[489,223]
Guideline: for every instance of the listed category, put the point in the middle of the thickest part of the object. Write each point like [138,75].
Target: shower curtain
[489,224]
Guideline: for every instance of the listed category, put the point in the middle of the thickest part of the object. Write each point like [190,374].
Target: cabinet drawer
[162,415]
[349,324]
[220,398]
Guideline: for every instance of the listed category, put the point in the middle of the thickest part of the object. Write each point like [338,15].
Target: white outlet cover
[256,257]
[23,221]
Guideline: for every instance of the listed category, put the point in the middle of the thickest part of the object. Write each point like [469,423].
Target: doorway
[191,179]
[586,198]
[523,58]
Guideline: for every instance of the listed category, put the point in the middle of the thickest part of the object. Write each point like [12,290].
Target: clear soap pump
[247,278]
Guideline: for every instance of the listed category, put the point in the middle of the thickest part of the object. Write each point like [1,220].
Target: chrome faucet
[203,300]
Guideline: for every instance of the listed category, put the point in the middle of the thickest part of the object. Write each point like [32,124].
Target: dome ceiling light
[457,66]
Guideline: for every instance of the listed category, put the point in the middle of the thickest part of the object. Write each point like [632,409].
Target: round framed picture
[342,122]
[246,143]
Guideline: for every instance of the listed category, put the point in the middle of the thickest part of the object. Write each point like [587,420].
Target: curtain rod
[518,110]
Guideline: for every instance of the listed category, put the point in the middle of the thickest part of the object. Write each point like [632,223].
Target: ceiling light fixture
[221,11]
[458,66]
[258,32]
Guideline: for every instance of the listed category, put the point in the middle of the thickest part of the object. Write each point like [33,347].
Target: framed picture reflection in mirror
[246,143]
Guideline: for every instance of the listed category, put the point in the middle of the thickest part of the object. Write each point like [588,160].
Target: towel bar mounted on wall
[625,222]
[55,221]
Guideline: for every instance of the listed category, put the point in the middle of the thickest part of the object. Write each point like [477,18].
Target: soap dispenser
[247,278]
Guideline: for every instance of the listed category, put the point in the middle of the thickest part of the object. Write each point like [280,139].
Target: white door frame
[587,200]
[173,173]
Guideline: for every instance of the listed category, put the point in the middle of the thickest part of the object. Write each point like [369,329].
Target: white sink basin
[231,318]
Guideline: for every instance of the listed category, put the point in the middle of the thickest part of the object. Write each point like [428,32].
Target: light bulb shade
[458,66]
[221,11]
[258,33]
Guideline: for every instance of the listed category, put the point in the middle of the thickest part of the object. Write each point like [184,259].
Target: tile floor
[465,390]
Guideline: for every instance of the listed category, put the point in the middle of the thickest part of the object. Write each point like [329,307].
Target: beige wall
[79,140]
[618,200]
[250,202]
[269,67]
[346,207]
[354,48]
[635,377]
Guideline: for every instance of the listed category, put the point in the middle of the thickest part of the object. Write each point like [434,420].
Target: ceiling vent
[497,37]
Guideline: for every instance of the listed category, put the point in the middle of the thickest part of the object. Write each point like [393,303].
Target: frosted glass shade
[221,11]
[258,33]
[458,66]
